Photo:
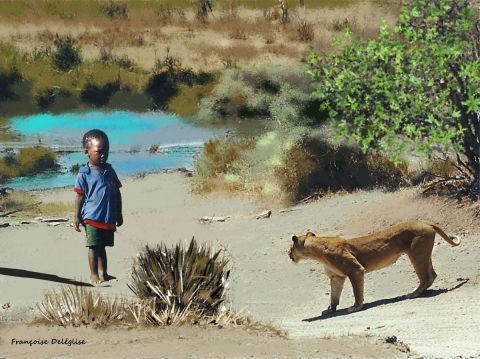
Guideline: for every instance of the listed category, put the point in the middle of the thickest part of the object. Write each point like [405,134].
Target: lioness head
[296,251]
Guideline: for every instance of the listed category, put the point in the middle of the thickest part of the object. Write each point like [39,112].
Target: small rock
[3,225]
[265,214]
[6,305]
[391,340]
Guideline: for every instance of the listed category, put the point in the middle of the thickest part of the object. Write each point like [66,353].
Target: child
[98,203]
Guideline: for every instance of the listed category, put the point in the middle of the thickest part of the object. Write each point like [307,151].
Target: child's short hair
[93,134]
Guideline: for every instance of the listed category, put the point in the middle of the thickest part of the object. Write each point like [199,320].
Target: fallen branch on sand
[207,219]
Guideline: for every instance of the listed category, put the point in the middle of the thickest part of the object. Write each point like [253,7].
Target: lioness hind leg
[357,280]
[420,255]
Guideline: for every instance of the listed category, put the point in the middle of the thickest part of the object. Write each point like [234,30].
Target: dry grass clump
[16,201]
[220,164]
[144,313]
[305,31]
[167,14]
[174,286]
[317,165]
[184,282]
[78,305]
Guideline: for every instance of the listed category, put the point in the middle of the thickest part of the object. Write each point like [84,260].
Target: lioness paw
[354,309]
[329,310]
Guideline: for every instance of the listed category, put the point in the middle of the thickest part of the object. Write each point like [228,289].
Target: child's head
[96,146]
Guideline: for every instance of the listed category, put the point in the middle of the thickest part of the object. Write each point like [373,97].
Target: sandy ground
[264,283]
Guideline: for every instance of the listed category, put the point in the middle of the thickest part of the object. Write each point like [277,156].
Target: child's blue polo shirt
[100,190]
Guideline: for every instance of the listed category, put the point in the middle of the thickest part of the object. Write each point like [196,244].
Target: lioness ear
[295,239]
[310,234]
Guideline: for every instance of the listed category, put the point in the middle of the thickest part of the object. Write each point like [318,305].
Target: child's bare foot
[107,277]
[94,279]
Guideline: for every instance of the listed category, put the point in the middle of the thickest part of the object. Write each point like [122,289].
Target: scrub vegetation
[370,88]
[184,284]
[26,162]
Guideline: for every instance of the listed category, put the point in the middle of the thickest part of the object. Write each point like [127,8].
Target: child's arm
[119,210]
[77,219]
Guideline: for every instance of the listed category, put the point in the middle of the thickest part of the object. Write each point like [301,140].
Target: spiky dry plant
[182,282]
[228,317]
[76,305]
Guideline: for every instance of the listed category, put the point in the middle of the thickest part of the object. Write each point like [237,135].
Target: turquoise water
[130,134]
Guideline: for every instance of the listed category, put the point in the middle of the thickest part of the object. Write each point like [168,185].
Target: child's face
[97,151]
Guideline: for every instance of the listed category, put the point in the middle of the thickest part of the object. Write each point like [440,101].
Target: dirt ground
[264,282]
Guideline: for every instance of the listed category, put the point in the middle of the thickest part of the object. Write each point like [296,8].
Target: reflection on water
[130,134]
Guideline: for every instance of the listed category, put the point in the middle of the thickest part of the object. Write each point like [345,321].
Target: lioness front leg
[357,280]
[336,287]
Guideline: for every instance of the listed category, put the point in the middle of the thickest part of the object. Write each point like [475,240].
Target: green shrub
[29,161]
[276,93]
[99,95]
[9,71]
[180,278]
[66,55]
[168,74]
[115,9]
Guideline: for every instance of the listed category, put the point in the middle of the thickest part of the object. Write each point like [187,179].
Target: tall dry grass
[153,25]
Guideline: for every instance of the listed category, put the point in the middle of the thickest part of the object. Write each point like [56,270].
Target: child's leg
[102,263]
[93,261]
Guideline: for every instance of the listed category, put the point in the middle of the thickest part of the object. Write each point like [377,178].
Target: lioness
[352,258]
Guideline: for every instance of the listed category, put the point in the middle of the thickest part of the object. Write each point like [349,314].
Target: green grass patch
[185,103]
[27,162]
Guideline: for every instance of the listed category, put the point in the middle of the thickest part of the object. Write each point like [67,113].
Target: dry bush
[238,34]
[282,49]
[236,51]
[114,36]
[167,14]
[316,165]
[46,36]
[270,39]
[180,281]
[16,201]
[219,157]
[78,305]
[230,11]
[305,31]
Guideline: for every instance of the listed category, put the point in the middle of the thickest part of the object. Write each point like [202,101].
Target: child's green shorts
[98,237]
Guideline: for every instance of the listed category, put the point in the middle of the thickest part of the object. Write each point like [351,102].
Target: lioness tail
[444,235]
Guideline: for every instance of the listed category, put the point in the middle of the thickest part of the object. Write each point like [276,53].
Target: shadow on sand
[428,293]
[43,276]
